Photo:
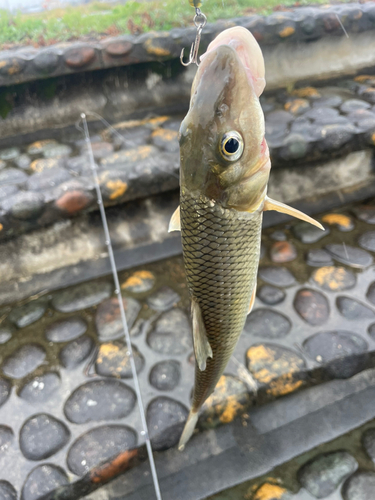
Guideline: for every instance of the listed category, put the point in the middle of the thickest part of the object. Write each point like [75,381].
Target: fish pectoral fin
[202,347]
[252,300]
[175,222]
[270,204]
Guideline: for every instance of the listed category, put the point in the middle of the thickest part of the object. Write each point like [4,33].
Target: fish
[224,171]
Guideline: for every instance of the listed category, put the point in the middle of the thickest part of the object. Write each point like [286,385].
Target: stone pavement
[66,393]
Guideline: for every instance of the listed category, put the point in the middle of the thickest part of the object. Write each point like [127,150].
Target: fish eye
[231,146]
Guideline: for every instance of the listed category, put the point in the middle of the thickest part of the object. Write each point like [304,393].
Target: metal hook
[200,21]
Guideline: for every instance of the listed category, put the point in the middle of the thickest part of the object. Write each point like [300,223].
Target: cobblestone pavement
[47,181]
[66,394]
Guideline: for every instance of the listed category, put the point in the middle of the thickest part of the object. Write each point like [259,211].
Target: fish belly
[221,250]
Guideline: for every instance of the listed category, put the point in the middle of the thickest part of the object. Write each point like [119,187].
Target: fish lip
[248,51]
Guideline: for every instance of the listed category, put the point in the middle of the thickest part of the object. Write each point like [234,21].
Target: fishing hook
[200,21]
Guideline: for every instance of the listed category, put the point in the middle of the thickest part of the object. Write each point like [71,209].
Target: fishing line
[122,310]
[342,26]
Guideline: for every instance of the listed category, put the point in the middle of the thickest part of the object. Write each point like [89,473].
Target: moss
[99,19]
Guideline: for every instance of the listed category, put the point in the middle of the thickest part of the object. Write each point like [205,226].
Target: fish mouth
[246,47]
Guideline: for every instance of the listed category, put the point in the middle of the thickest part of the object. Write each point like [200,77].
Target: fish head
[224,155]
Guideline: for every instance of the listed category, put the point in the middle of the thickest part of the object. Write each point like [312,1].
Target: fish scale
[221,280]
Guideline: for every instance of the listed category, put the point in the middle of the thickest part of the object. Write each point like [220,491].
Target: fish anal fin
[270,204]
[252,300]
[175,222]
[202,348]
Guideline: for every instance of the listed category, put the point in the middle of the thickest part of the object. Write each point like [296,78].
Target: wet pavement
[66,393]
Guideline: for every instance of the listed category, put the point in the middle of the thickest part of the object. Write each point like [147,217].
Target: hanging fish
[225,167]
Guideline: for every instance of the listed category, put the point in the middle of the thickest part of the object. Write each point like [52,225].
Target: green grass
[100,20]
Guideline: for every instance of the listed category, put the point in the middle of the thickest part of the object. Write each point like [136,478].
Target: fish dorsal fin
[175,222]
[252,300]
[202,347]
[270,204]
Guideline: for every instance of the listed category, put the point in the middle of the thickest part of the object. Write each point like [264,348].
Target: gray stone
[278,235]
[334,279]
[277,276]
[25,205]
[321,113]
[335,136]
[270,295]
[12,176]
[163,299]
[38,147]
[46,62]
[7,491]
[351,256]
[139,282]
[365,213]
[9,154]
[331,101]
[340,351]
[76,352]
[40,389]
[312,306]
[352,309]
[113,360]
[27,314]
[368,440]
[81,296]
[166,140]
[23,361]
[371,293]
[367,241]
[318,257]
[99,445]
[66,329]
[51,178]
[354,104]
[268,324]
[165,375]
[5,388]
[171,334]
[101,149]
[165,420]
[6,332]
[42,480]
[322,475]
[6,437]
[99,400]
[57,151]
[7,190]
[42,435]
[307,233]
[108,317]
[360,486]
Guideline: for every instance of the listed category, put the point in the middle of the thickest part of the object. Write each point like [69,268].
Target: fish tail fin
[191,422]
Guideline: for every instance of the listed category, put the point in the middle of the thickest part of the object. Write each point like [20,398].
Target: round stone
[48,179]
[23,361]
[352,309]
[280,117]
[113,360]
[277,276]
[57,151]
[367,241]
[9,154]
[38,147]
[119,48]
[162,300]
[323,475]
[353,105]
[165,375]
[6,332]
[360,486]
[171,334]
[4,391]
[66,330]
[280,370]
[271,491]
[46,62]
[139,282]
[307,233]
[270,295]
[43,164]
[165,139]
[368,440]
[101,149]
[108,317]
[283,251]
[27,314]
[318,257]
[81,296]
[365,213]
[74,353]
[12,176]
[99,400]
[334,279]
[342,222]
[297,106]
[74,200]
[268,324]
[7,190]
[278,235]
[6,437]
[331,101]
[294,146]
[79,57]
[40,389]
[42,480]
[371,293]
[42,435]
[338,350]
[7,491]
[165,420]
[312,306]
[321,113]
[99,445]
[351,256]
